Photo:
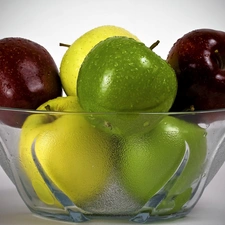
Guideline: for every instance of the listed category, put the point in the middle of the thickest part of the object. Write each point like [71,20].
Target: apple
[149,161]
[198,59]
[28,76]
[76,53]
[123,75]
[74,155]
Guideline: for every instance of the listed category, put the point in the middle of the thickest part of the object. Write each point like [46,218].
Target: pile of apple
[109,74]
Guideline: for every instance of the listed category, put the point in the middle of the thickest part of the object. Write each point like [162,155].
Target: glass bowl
[141,167]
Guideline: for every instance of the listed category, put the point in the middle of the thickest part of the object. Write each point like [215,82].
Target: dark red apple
[198,59]
[28,75]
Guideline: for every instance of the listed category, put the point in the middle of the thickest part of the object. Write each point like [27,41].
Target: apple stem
[154,44]
[50,117]
[48,108]
[190,109]
[64,45]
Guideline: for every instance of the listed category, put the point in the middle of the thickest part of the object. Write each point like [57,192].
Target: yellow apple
[76,53]
[72,154]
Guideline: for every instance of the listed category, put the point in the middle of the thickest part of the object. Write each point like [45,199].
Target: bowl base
[78,217]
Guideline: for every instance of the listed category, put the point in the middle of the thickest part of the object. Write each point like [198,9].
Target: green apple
[76,53]
[73,154]
[149,161]
[121,75]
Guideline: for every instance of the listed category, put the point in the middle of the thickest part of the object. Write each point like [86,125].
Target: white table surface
[210,210]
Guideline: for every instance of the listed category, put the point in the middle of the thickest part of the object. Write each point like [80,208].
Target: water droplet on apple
[146,124]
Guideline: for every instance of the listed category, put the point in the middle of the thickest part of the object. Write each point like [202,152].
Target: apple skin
[198,59]
[74,155]
[111,79]
[148,161]
[28,76]
[75,54]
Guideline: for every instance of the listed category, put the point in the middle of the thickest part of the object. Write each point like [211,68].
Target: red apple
[198,59]
[28,76]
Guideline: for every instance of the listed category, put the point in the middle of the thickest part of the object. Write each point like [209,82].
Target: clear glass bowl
[140,167]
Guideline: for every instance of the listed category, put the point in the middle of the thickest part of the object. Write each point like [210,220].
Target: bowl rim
[37,111]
